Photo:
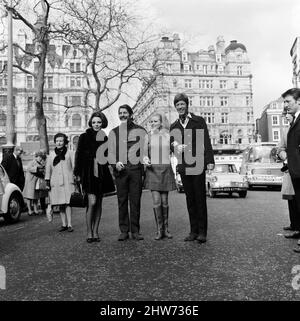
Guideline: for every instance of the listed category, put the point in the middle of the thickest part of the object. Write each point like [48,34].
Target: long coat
[293,149]
[31,178]
[85,162]
[61,178]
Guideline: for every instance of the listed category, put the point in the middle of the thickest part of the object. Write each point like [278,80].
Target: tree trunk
[39,111]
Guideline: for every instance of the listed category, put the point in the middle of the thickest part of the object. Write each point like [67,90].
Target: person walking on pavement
[292,103]
[125,153]
[60,180]
[287,189]
[185,133]
[13,166]
[94,177]
[159,174]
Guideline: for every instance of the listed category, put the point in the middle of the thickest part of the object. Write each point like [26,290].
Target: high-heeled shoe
[89,239]
[96,239]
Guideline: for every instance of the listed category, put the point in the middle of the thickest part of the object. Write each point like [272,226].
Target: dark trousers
[293,213]
[194,188]
[296,205]
[129,187]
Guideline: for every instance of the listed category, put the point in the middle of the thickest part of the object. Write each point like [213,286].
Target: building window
[72,67]
[2,120]
[275,120]
[76,101]
[174,82]
[205,84]
[225,139]
[190,101]
[247,100]
[236,85]
[30,101]
[224,118]
[209,118]
[284,121]
[206,101]
[205,69]
[29,82]
[48,102]
[187,83]
[3,100]
[78,82]
[224,101]
[239,70]
[275,135]
[3,65]
[49,82]
[248,117]
[72,82]
[223,84]
[76,120]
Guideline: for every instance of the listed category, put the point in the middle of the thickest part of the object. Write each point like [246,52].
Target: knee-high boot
[165,212]
[159,222]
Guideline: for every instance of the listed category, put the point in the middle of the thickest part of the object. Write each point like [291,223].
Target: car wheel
[14,208]
[211,193]
[243,194]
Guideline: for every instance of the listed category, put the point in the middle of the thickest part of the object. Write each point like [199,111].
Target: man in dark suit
[125,153]
[191,145]
[13,166]
[292,103]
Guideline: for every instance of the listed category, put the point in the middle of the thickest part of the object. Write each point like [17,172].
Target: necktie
[292,123]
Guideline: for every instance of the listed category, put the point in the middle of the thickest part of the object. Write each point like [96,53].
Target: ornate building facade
[218,82]
[65,87]
[295,54]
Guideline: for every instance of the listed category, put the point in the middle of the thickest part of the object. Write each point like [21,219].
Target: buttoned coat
[293,149]
[189,139]
[61,178]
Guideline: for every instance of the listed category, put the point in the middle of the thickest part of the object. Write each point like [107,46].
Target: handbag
[287,189]
[78,198]
[40,184]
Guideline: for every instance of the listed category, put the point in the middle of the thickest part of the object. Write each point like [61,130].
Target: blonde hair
[163,119]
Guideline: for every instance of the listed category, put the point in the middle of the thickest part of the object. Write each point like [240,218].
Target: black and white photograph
[149,153]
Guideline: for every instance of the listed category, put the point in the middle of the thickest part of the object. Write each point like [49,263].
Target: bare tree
[116,50]
[39,49]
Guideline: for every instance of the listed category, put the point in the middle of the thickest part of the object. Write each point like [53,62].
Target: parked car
[261,165]
[11,198]
[226,179]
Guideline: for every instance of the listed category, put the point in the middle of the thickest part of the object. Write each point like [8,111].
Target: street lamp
[10,128]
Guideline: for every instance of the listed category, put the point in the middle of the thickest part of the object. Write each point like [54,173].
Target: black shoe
[70,229]
[89,239]
[297,250]
[96,239]
[295,235]
[63,228]
[288,228]
[201,239]
[123,237]
[191,237]
[137,236]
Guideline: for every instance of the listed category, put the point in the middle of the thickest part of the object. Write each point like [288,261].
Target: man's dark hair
[180,97]
[128,108]
[294,92]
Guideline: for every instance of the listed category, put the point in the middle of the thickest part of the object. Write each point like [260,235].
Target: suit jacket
[14,170]
[190,139]
[293,149]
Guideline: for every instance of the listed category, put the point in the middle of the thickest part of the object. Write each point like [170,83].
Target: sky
[267,28]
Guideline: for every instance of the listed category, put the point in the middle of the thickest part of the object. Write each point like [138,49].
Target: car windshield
[263,154]
[225,168]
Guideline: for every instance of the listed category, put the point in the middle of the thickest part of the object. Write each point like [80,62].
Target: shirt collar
[297,114]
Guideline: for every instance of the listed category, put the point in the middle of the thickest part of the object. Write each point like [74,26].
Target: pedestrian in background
[193,182]
[13,166]
[94,177]
[60,180]
[159,174]
[287,189]
[292,102]
[32,192]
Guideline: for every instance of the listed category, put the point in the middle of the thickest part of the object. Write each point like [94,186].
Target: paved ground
[246,256]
